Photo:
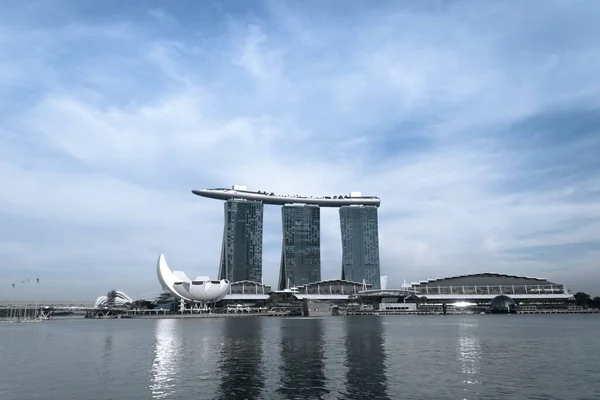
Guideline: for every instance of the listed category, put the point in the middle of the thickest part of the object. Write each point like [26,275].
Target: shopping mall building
[476,290]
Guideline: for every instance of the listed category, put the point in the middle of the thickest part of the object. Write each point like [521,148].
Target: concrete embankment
[587,311]
[381,313]
[203,315]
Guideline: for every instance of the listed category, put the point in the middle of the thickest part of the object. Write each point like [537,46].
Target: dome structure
[201,289]
[503,304]
[120,300]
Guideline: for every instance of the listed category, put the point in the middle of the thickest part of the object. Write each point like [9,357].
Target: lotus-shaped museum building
[201,289]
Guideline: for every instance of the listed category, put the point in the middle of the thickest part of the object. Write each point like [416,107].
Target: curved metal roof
[237,296]
[247,282]
[490,278]
[272,198]
[466,297]
[386,293]
[335,282]
[301,296]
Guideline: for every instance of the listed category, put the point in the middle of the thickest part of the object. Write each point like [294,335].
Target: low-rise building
[478,290]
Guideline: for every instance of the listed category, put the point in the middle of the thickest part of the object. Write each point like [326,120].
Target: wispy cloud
[476,123]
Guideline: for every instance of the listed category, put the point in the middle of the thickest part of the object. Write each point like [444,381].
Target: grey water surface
[422,357]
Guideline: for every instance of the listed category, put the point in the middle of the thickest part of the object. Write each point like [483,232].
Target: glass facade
[360,244]
[301,249]
[241,252]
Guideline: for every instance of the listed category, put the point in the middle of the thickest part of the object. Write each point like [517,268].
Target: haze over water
[452,357]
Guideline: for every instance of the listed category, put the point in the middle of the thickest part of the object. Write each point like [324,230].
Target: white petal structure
[120,300]
[201,289]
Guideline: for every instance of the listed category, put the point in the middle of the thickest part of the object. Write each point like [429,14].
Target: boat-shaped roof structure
[240,192]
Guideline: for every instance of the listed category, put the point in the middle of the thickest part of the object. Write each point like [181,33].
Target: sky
[477,123]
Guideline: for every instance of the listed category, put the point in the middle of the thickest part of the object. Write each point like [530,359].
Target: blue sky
[477,123]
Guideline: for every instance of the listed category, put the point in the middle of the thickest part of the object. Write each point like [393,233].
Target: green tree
[111,298]
[582,299]
[595,303]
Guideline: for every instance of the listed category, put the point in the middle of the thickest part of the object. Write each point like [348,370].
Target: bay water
[361,357]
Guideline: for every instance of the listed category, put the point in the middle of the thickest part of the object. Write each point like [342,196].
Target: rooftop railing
[491,289]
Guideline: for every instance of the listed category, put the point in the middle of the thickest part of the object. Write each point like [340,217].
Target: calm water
[452,357]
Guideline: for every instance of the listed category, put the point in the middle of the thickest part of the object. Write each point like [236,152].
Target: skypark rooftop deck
[240,192]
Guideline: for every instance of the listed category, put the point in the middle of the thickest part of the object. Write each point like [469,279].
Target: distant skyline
[476,123]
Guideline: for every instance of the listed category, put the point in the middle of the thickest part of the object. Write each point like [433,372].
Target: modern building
[360,244]
[333,289]
[247,291]
[489,285]
[241,251]
[383,282]
[502,304]
[121,298]
[201,289]
[481,289]
[301,246]
[247,288]
[241,192]
[241,254]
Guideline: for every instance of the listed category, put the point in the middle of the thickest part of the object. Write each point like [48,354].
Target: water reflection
[240,365]
[302,353]
[365,359]
[107,358]
[469,354]
[164,367]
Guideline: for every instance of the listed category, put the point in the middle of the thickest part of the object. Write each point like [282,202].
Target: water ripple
[470,357]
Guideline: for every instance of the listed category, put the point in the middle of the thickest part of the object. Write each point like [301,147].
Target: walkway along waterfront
[26,312]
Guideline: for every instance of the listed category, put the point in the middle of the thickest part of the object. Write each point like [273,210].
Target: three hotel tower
[241,252]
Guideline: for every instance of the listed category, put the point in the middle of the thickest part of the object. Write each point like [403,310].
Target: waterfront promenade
[28,311]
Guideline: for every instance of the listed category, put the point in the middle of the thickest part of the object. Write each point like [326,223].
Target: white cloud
[258,62]
[161,16]
[97,169]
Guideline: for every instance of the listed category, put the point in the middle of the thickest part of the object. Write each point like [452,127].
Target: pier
[21,313]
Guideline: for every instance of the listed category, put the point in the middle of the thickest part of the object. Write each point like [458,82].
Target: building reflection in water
[302,352]
[365,359]
[107,358]
[164,367]
[240,359]
[469,353]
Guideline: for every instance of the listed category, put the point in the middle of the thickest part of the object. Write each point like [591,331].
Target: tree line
[586,301]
